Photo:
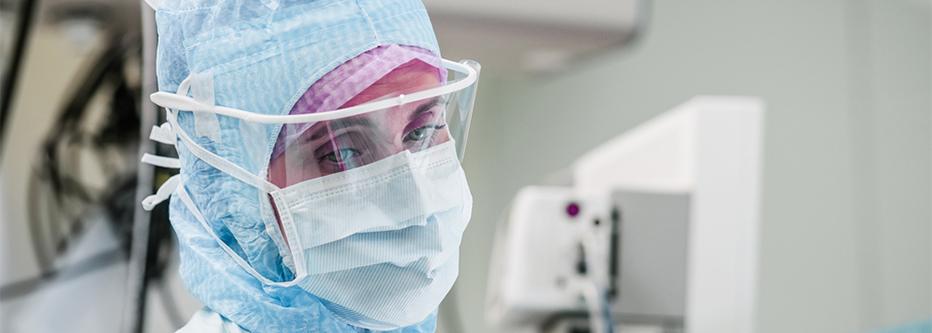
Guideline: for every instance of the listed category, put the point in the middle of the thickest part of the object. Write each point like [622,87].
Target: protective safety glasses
[412,116]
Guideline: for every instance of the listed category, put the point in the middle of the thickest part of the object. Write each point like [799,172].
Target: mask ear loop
[217,161]
[189,203]
[242,175]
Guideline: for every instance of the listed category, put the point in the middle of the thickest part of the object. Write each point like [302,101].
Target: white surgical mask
[387,259]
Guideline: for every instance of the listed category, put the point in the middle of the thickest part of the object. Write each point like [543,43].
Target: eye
[341,155]
[418,134]
[422,133]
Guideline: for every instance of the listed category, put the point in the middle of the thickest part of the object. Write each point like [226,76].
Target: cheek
[283,174]
[441,137]
[277,171]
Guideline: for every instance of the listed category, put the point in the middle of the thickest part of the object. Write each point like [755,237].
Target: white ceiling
[503,35]
[612,14]
[527,35]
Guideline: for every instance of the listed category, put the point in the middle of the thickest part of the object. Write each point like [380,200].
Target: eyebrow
[430,104]
[333,126]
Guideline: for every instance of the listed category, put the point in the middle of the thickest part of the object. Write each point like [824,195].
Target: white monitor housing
[687,184]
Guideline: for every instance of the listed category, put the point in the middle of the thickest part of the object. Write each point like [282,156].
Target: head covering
[261,56]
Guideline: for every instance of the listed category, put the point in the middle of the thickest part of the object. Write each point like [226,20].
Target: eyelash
[336,159]
[354,152]
[432,127]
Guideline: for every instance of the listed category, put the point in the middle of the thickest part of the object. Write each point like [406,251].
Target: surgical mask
[376,241]
[385,260]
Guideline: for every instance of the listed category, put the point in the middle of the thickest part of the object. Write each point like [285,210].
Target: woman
[320,186]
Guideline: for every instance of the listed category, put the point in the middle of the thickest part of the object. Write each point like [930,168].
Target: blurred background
[844,234]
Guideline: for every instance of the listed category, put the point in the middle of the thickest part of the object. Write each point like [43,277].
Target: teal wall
[846,198]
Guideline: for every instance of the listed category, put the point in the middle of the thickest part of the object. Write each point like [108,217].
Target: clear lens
[360,136]
[308,151]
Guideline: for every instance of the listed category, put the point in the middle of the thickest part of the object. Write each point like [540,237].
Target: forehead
[408,78]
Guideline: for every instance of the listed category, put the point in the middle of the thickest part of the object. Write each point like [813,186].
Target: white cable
[163,134]
[161,161]
[164,192]
[589,285]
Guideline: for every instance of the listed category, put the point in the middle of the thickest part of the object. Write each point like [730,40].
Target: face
[330,147]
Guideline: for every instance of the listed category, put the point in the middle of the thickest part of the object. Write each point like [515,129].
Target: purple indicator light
[572,209]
